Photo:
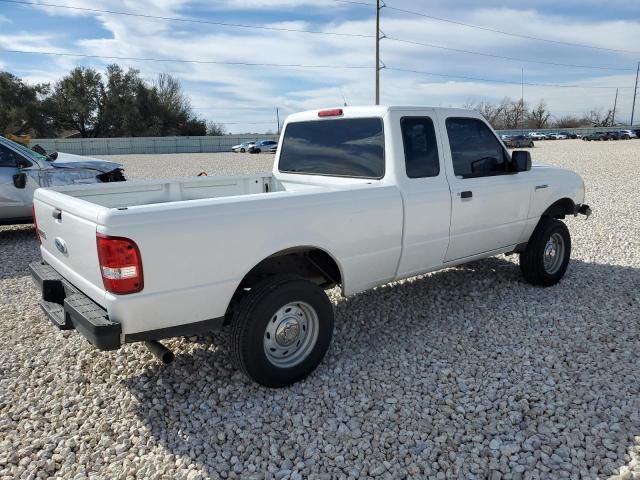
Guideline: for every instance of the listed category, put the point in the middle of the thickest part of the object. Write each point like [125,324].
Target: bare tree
[596,118]
[570,121]
[539,116]
[215,129]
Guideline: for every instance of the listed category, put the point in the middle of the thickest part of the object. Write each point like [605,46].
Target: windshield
[25,151]
[342,148]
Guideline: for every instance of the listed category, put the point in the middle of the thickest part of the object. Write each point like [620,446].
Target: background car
[537,136]
[617,136]
[243,147]
[598,136]
[629,133]
[572,135]
[519,141]
[556,136]
[267,146]
[22,171]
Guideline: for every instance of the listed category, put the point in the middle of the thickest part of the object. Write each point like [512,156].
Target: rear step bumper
[68,309]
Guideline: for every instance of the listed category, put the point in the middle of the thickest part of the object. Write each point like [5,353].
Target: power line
[518,59]
[510,82]
[511,34]
[292,65]
[490,29]
[259,27]
[176,60]
[186,20]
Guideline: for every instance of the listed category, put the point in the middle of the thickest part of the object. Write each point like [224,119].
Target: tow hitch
[583,210]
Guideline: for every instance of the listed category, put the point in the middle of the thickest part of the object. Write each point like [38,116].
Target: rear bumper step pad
[68,308]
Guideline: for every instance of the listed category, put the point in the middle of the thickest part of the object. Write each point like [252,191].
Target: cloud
[247,94]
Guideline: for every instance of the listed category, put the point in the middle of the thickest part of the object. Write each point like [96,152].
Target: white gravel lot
[466,373]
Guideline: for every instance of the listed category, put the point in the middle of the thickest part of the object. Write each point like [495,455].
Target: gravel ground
[189,164]
[466,373]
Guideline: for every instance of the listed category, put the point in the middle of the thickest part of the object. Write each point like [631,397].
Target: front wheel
[281,330]
[546,258]
[242,150]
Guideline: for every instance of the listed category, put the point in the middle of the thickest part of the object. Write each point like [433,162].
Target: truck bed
[148,192]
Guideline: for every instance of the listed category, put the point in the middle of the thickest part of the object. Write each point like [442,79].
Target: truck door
[18,180]
[489,204]
[425,192]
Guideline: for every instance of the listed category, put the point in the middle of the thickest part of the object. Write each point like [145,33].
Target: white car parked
[358,197]
[242,147]
[537,136]
[628,133]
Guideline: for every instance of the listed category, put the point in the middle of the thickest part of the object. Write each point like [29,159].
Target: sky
[339,59]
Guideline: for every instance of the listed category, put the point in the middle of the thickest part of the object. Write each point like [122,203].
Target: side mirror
[521,161]
[20,180]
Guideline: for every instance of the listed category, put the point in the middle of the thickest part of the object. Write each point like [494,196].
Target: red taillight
[336,112]
[35,222]
[120,264]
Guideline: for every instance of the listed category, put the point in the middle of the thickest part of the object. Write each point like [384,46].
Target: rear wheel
[281,330]
[546,258]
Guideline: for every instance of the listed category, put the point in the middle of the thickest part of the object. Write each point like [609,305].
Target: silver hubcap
[291,334]
[553,253]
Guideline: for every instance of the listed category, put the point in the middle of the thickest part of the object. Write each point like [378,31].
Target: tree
[22,109]
[121,116]
[596,118]
[174,112]
[215,129]
[539,116]
[570,121]
[78,102]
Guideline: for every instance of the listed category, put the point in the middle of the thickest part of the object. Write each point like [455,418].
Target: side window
[7,157]
[420,147]
[475,150]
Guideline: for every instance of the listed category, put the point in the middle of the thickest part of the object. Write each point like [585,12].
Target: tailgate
[67,228]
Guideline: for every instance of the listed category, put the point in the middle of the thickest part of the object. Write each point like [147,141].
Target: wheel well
[559,209]
[311,263]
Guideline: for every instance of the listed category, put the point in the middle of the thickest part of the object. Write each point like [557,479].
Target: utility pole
[378,8]
[615,103]
[278,120]
[635,90]
[522,100]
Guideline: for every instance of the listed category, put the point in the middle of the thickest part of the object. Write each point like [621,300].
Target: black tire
[531,145]
[242,150]
[251,319]
[532,260]
[256,150]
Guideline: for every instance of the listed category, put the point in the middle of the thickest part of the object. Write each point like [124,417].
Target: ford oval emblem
[61,245]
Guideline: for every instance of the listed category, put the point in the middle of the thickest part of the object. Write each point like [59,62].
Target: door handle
[466,194]
[57,214]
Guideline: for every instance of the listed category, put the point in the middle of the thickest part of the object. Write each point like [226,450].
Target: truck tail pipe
[165,355]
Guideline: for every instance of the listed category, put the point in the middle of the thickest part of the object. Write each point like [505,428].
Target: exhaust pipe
[165,355]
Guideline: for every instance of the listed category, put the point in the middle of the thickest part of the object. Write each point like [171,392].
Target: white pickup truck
[358,197]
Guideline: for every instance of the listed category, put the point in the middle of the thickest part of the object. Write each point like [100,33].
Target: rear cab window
[420,147]
[348,147]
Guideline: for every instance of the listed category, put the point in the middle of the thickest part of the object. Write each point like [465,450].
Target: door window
[475,150]
[420,147]
[7,157]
